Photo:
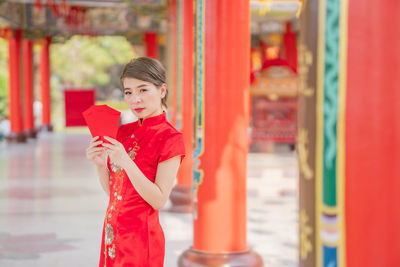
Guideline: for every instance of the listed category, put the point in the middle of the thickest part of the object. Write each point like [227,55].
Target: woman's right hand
[96,154]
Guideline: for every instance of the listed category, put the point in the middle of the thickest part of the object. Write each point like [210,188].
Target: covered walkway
[52,206]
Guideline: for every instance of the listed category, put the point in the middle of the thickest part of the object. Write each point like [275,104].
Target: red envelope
[102,121]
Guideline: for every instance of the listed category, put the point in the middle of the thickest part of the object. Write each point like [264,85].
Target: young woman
[140,169]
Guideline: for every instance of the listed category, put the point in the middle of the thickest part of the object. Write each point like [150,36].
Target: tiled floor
[52,206]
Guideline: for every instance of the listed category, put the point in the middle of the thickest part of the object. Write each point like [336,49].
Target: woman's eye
[143,90]
[127,93]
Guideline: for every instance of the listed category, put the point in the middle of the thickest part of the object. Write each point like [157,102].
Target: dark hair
[145,69]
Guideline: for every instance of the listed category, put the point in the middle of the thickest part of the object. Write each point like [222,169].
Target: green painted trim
[330,106]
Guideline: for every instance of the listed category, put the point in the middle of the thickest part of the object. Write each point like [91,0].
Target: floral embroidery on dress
[117,175]
[132,150]
[109,234]
[111,252]
[115,167]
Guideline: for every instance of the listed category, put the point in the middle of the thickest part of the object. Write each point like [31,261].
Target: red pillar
[45,84]
[181,195]
[220,228]
[16,134]
[372,185]
[151,44]
[28,89]
[172,83]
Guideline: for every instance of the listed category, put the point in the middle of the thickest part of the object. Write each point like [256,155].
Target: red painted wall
[77,101]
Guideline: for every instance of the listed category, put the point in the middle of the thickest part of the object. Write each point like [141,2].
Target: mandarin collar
[153,120]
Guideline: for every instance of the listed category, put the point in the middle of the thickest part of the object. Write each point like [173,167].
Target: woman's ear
[163,89]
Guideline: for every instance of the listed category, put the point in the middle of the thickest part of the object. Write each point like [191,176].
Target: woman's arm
[157,193]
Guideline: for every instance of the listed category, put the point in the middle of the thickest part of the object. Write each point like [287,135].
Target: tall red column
[28,89]
[172,70]
[16,134]
[349,134]
[45,84]
[220,228]
[181,195]
[151,44]
[372,193]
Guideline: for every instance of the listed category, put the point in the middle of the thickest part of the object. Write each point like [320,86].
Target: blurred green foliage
[3,77]
[118,105]
[84,61]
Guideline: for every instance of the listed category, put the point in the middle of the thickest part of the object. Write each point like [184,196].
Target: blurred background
[289,111]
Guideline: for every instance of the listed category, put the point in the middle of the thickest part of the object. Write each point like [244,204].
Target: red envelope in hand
[102,121]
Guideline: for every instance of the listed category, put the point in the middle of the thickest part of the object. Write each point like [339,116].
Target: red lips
[138,110]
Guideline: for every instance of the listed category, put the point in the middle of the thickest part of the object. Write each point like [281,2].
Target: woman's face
[143,98]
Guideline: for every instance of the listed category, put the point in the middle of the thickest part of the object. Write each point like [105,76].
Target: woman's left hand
[116,151]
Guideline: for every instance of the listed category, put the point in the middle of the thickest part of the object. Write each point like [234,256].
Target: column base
[181,199]
[195,258]
[31,133]
[16,138]
[46,128]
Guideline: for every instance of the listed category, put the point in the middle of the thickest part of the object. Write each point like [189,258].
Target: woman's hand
[96,154]
[116,151]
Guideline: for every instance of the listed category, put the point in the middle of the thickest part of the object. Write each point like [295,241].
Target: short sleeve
[172,146]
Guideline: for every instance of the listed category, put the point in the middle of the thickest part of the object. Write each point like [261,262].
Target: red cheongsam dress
[132,235]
